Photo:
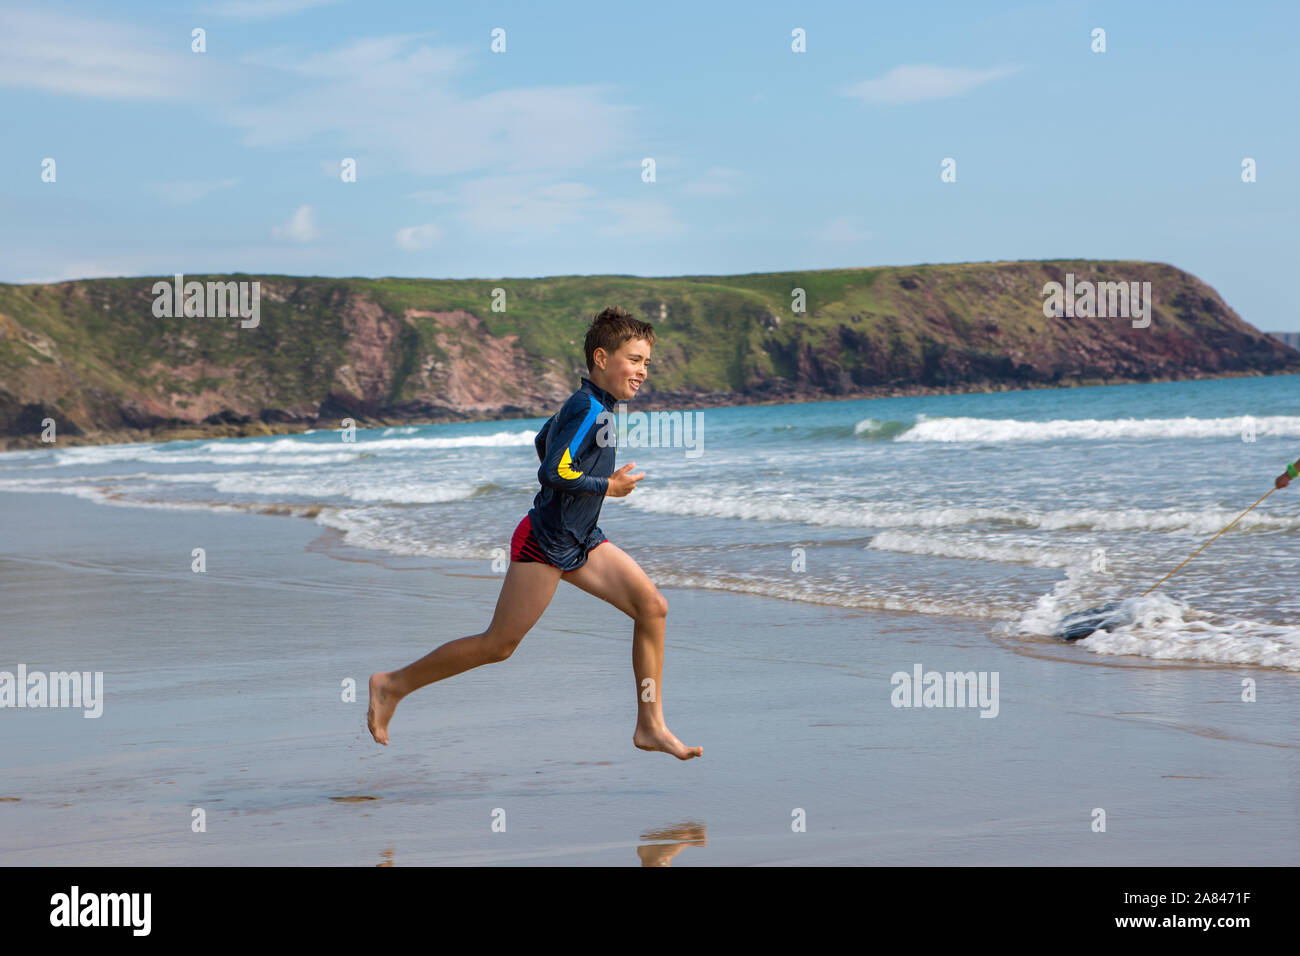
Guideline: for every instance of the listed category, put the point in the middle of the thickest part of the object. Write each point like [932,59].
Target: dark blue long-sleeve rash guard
[574,476]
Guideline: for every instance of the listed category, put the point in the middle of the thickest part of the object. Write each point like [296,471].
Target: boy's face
[623,372]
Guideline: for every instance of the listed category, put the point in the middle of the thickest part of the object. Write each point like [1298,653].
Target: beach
[971,481]
[223,693]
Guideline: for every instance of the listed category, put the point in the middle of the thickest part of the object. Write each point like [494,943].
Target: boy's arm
[573,432]
[540,441]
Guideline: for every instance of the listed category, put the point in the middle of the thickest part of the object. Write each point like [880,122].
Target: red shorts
[524,547]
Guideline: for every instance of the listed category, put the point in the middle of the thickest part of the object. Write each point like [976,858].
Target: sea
[1014,508]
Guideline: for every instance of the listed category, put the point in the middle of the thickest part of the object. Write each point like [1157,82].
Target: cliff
[91,354]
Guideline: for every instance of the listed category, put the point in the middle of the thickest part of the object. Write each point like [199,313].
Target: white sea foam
[858,597]
[374,529]
[1161,627]
[244,460]
[1171,637]
[873,428]
[365,528]
[363,443]
[110,495]
[929,429]
[950,546]
[104,454]
[29,454]
[312,486]
[391,489]
[1080,588]
[285,451]
[151,455]
[114,489]
[78,489]
[792,507]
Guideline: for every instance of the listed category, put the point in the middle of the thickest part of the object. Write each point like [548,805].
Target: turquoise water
[1010,507]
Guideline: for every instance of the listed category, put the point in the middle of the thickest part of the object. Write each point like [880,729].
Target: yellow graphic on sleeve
[565,467]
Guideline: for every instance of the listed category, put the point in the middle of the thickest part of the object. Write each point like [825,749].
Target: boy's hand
[621,483]
[1282,480]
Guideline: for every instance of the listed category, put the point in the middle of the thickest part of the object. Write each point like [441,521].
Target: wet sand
[223,693]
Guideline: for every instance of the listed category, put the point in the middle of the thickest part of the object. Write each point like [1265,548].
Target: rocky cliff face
[92,356]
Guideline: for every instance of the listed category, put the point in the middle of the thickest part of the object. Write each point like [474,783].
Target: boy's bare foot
[383,701]
[661,854]
[660,738]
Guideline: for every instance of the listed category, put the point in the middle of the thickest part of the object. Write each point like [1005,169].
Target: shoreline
[331,542]
[223,694]
[255,428]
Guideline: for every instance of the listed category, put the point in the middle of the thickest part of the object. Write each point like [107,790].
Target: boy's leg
[525,593]
[611,575]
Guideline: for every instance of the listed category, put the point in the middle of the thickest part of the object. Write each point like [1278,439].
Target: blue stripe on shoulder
[592,412]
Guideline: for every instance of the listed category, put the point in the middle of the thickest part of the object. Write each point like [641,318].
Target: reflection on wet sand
[668,841]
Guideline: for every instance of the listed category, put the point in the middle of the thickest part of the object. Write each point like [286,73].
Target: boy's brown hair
[610,329]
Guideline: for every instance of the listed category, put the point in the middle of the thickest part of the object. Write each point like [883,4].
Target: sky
[530,160]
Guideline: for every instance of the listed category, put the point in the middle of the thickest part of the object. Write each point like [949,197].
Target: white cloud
[518,154]
[844,229]
[396,99]
[512,205]
[180,193]
[908,84]
[262,9]
[640,218]
[521,203]
[301,226]
[396,96]
[60,52]
[414,238]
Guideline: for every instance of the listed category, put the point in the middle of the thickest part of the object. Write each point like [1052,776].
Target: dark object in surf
[1082,623]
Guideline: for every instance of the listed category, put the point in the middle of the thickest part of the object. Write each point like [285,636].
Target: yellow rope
[1207,544]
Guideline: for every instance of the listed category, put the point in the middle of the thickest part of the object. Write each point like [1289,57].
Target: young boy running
[559,538]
